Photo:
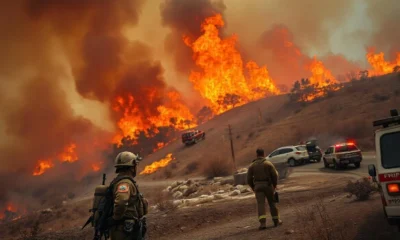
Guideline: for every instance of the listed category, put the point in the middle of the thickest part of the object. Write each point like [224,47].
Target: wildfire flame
[42,166]
[159,146]
[223,80]
[69,154]
[9,213]
[378,63]
[173,114]
[95,167]
[157,165]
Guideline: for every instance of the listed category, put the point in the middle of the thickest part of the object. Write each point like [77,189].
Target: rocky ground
[312,207]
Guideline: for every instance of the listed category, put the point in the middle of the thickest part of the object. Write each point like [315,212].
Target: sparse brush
[380,97]
[33,232]
[164,202]
[361,189]
[217,167]
[168,173]
[316,223]
[191,167]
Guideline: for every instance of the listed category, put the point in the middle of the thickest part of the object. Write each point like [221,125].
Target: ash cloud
[185,18]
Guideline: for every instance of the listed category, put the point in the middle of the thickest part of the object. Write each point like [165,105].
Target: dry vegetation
[164,202]
[361,189]
[217,166]
[316,223]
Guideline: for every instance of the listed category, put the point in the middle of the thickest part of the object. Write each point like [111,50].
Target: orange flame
[69,154]
[157,165]
[172,114]
[42,166]
[378,63]
[223,81]
[321,76]
[159,146]
[10,208]
[95,167]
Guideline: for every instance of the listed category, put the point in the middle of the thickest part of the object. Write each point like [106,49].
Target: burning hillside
[223,80]
[77,86]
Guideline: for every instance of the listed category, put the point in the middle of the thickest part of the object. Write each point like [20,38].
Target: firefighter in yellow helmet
[262,177]
[130,206]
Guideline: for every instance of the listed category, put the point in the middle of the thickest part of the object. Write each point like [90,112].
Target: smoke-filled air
[81,80]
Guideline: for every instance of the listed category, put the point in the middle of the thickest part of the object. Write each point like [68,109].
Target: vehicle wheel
[357,165]
[326,165]
[292,162]
[204,137]
[336,165]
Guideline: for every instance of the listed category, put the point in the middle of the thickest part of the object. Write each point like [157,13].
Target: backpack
[103,206]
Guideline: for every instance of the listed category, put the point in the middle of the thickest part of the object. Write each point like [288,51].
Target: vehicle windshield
[346,148]
[301,148]
[187,134]
[390,151]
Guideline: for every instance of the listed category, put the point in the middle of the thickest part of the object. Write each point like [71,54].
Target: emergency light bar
[394,119]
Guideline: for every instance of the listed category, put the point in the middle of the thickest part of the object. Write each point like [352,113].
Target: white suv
[386,172]
[293,155]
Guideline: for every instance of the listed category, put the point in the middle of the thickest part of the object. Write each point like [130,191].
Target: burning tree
[206,113]
[363,74]
[305,91]
[229,100]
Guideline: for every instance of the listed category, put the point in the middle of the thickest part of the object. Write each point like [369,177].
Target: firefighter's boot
[277,222]
[263,225]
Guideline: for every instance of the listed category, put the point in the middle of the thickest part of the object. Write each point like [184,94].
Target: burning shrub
[361,189]
[305,91]
[217,167]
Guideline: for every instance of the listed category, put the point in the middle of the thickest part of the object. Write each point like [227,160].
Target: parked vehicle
[341,155]
[314,152]
[387,165]
[193,136]
[293,155]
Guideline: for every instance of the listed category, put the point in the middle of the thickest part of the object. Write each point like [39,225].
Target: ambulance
[386,170]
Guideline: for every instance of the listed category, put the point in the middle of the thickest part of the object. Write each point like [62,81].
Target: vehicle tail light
[393,188]
[298,153]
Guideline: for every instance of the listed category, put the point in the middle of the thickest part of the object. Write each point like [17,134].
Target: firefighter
[262,177]
[129,205]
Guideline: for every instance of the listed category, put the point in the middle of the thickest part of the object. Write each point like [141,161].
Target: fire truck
[386,170]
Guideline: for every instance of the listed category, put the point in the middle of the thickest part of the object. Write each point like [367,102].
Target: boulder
[234,193]
[177,194]
[190,190]
[220,192]
[240,178]
[46,211]
[219,196]
[217,179]
[183,188]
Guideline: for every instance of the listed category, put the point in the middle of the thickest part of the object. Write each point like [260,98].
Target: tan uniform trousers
[118,233]
[265,191]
